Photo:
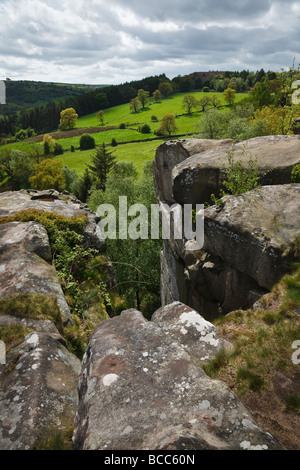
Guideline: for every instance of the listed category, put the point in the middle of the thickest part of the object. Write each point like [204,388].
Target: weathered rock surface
[202,174]
[171,153]
[58,203]
[248,239]
[256,232]
[25,268]
[190,330]
[38,392]
[139,389]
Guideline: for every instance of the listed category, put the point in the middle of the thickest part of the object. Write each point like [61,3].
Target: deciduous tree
[48,175]
[229,96]
[68,118]
[188,103]
[168,125]
[135,104]
[143,97]
[100,116]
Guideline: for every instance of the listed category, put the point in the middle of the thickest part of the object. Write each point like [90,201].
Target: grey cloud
[93,39]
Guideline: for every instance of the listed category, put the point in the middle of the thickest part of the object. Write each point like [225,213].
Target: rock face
[38,391]
[172,153]
[202,174]
[25,268]
[60,204]
[38,375]
[139,389]
[249,239]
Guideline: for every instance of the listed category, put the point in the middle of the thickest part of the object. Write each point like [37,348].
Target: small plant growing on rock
[237,179]
[295,176]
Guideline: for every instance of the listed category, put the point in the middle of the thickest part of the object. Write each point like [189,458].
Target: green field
[140,152]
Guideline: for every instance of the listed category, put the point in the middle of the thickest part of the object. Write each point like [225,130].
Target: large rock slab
[58,203]
[171,153]
[38,392]
[195,178]
[256,232]
[189,329]
[139,389]
[25,268]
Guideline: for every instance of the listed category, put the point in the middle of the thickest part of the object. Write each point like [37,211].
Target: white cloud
[117,41]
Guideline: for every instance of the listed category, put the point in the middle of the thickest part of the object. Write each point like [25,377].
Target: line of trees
[46,118]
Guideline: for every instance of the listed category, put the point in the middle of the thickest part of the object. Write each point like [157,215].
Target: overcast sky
[114,41]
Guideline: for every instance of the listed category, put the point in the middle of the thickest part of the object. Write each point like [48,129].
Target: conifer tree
[103,162]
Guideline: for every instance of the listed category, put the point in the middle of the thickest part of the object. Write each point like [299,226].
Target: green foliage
[165,88]
[81,186]
[58,149]
[48,175]
[295,176]
[103,162]
[87,142]
[16,167]
[70,176]
[68,118]
[255,382]
[13,335]
[73,260]
[39,306]
[122,125]
[135,262]
[220,360]
[292,402]
[168,125]
[238,179]
[145,129]
[114,143]
[143,97]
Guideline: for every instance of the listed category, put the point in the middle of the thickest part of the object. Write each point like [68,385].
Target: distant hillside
[27,94]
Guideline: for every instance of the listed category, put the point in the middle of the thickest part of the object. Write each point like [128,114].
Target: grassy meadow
[138,152]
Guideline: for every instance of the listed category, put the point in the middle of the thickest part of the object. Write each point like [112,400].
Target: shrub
[87,142]
[21,135]
[205,89]
[295,176]
[58,149]
[154,118]
[122,125]
[145,129]
[114,143]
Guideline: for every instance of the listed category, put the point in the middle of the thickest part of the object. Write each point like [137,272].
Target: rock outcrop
[139,389]
[203,174]
[25,264]
[57,203]
[38,374]
[38,391]
[248,239]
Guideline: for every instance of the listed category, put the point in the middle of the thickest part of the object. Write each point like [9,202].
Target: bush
[87,142]
[21,135]
[295,176]
[72,148]
[122,125]
[154,119]
[58,149]
[145,129]
[205,89]
[114,143]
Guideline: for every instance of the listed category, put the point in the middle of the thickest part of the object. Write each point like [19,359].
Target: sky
[117,41]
